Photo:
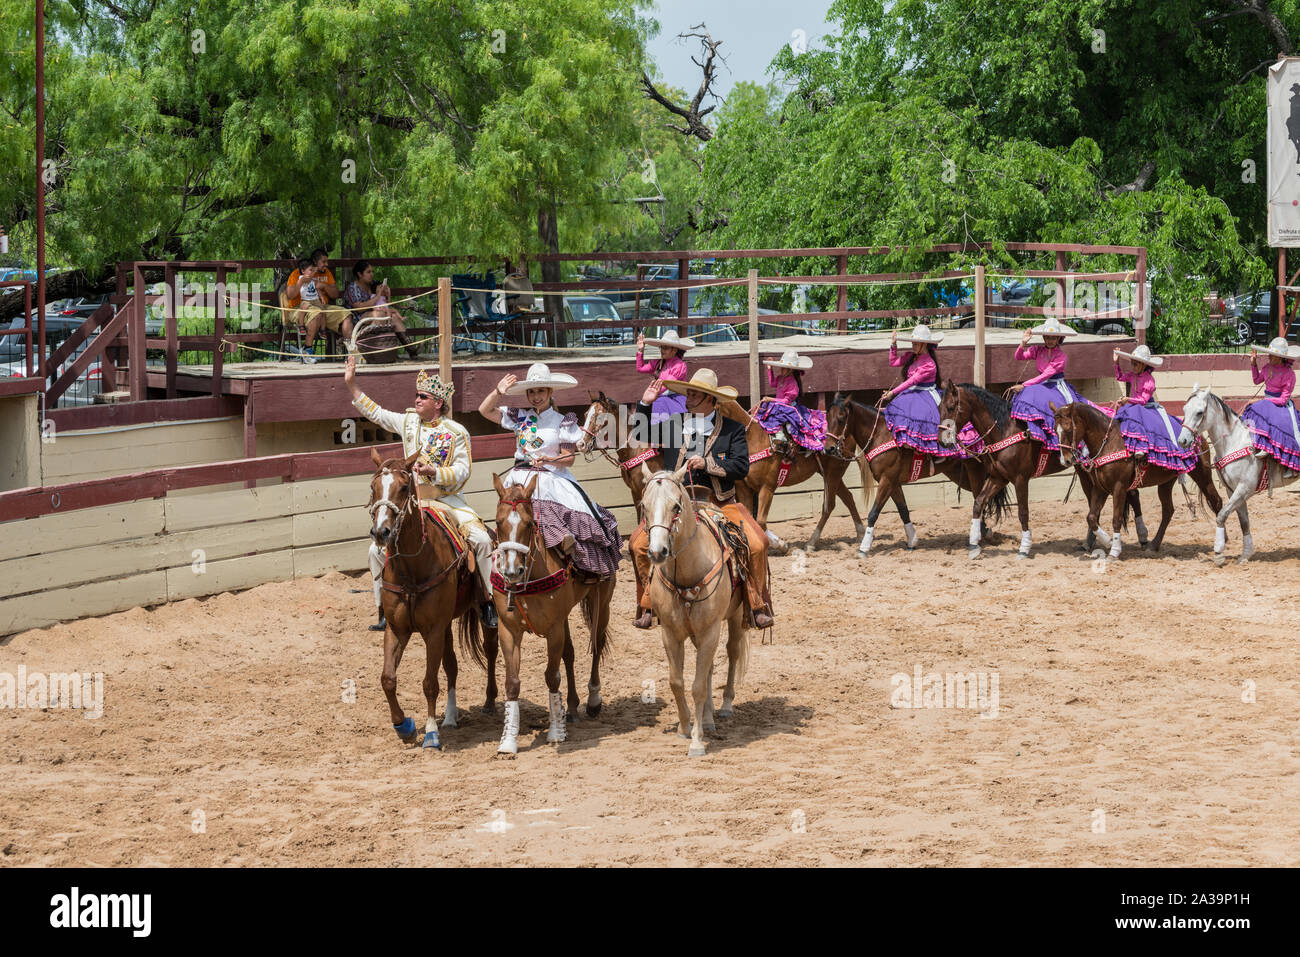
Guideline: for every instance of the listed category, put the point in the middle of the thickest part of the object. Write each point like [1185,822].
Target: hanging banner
[1284,153]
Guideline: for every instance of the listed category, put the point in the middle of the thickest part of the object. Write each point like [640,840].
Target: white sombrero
[704,380]
[790,360]
[1279,347]
[923,333]
[541,377]
[672,340]
[1143,354]
[1053,327]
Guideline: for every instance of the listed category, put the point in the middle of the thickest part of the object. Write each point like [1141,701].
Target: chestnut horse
[892,466]
[601,423]
[426,586]
[1090,438]
[534,589]
[1012,457]
[757,488]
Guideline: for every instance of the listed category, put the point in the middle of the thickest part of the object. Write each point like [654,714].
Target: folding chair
[478,321]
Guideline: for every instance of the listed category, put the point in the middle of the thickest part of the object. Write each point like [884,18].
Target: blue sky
[751,32]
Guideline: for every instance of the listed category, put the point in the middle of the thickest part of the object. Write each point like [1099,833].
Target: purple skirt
[913,418]
[1273,428]
[807,427]
[1148,428]
[667,404]
[1030,406]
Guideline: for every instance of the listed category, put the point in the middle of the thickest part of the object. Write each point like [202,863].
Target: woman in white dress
[547,442]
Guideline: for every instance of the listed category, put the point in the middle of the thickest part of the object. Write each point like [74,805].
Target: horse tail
[742,654]
[469,632]
[601,646]
[1001,505]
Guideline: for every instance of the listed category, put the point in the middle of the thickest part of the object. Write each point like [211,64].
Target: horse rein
[410,506]
[684,592]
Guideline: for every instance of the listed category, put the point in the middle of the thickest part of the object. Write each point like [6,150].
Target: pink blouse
[1144,384]
[787,390]
[1050,361]
[1279,379]
[921,372]
[674,368]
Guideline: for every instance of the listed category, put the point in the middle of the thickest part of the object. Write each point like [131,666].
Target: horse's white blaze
[657,506]
[512,555]
[588,423]
[385,498]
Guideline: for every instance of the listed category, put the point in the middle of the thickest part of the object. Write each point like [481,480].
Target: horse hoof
[593,710]
[508,749]
[862,553]
[557,737]
[724,713]
[1244,559]
[974,552]
[1022,556]
[431,740]
[1220,559]
[489,708]
[406,729]
[696,751]
[449,723]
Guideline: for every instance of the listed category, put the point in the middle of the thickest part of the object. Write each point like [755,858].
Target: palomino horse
[1241,471]
[534,590]
[692,592]
[768,471]
[426,586]
[1090,438]
[893,466]
[602,419]
[1012,456]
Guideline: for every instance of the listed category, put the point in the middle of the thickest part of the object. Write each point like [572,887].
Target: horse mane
[997,406]
[1229,416]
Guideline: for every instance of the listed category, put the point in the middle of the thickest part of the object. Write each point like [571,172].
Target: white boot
[1025,541]
[910,530]
[1115,546]
[976,529]
[558,731]
[510,733]
[865,547]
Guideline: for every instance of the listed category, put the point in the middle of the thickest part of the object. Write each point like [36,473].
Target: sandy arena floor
[1121,737]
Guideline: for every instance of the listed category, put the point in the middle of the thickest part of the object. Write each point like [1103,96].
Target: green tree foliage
[1015,120]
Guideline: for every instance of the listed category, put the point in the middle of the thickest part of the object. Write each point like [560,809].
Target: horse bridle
[399,512]
[529,550]
[591,436]
[671,528]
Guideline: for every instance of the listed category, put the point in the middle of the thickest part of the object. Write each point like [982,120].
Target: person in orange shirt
[312,290]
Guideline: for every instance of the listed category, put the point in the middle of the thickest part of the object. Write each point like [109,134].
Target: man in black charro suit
[718,456]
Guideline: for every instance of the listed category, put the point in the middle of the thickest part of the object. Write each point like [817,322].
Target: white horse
[1233,455]
[690,590]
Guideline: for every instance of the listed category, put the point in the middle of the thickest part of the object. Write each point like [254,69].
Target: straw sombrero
[790,360]
[672,340]
[923,333]
[1279,347]
[541,377]
[1143,354]
[704,380]
[1053,327]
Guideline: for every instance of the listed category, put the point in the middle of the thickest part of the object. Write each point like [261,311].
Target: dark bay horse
[426,586]
[601,423]
[1089,438]
[893,466]
[1012,457]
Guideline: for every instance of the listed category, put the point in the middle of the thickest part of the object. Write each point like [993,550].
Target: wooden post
[683,295]
[980,364]
[445,330]
[135,340]
[754,392]
[250,435]
[1144,307]
[169,320]
[1279,297]
[219,331]
[842,296]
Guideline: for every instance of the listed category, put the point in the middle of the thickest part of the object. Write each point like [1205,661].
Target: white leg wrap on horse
[593,694]
[1115,546]
[866,541]
[910,530]
[975,528]
[1220,538]
[558,732]
[1142,530]
[449,718]
[1025,541]
[1104,537]
[1247,546]
[510,732]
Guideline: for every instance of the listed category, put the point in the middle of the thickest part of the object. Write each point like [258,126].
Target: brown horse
[426,586]
[1011,455]
[534,589]
[601,423]
[756,490]
[1114,471]
[892,466]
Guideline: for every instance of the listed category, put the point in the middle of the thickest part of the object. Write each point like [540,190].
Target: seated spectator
[313,290]
[363,298]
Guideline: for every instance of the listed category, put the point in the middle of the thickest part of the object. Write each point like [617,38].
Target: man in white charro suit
[441,470]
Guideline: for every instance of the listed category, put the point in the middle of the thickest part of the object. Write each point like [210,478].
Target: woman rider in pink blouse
[784,418]
[670,366]
[1272,419]
[1150,433]
[1030,403]
[912,406]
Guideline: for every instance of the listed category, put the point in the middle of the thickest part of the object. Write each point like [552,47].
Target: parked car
[701,334]
[592,309]
[83,389]
[1255,312]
